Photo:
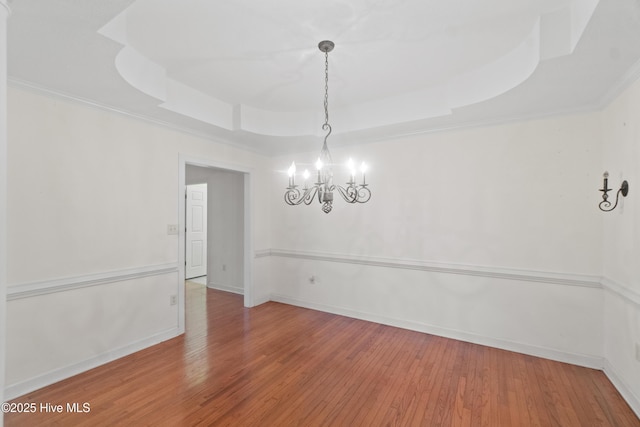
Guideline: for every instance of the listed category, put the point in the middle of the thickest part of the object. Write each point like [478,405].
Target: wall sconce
[605,205]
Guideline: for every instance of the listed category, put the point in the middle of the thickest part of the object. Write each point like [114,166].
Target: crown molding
[33,87]
[355,138]
[624,82]
[5,5]
[340,140]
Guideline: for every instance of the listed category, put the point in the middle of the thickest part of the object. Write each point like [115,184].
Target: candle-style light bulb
[306,174]
[352,169]
[363,169]
[292,174]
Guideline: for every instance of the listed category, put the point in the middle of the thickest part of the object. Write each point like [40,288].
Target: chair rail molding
[31,289]
[438,267]
[623,291]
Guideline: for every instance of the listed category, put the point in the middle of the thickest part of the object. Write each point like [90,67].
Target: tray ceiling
[250,73]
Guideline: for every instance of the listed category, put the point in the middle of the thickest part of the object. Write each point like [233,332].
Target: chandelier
[324,187]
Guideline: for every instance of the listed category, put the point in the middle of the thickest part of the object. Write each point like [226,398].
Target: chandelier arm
[364,194]
[349,194]
[309,195]
[293,198]
[355,194]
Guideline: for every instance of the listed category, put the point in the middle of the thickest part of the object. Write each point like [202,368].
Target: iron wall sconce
[605,205]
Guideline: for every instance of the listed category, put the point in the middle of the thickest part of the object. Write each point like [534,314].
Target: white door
[196,235]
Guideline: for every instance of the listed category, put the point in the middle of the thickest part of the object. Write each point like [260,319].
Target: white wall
[225,232]
[91,266]
[490,235]
[4,12]
[621,249]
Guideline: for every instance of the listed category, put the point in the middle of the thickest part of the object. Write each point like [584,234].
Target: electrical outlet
[173,300]
[172,229]
[638,352]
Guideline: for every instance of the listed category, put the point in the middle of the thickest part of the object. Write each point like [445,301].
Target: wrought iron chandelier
[324,187]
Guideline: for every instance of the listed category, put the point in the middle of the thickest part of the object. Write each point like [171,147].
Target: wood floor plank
[278,365]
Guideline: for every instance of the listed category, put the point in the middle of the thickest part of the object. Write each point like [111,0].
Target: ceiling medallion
[324,187]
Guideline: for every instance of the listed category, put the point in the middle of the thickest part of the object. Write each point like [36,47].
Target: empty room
[358,213]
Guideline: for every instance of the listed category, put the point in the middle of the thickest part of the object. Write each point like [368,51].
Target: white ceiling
[250,73]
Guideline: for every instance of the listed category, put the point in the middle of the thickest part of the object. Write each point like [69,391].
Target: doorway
[228,260]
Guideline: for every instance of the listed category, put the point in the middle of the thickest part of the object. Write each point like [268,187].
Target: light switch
[172,229]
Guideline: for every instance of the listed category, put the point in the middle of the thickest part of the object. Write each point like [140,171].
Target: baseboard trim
[622,387]
[232,289]
[589,361]
[437,267]
[32,289]
[262,299]
[16,390]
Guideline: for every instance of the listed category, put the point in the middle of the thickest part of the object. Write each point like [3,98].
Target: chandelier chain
[326,90]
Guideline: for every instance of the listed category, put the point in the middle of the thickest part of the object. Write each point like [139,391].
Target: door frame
[185,160]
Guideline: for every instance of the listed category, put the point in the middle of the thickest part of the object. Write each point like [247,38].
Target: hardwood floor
[278,365]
